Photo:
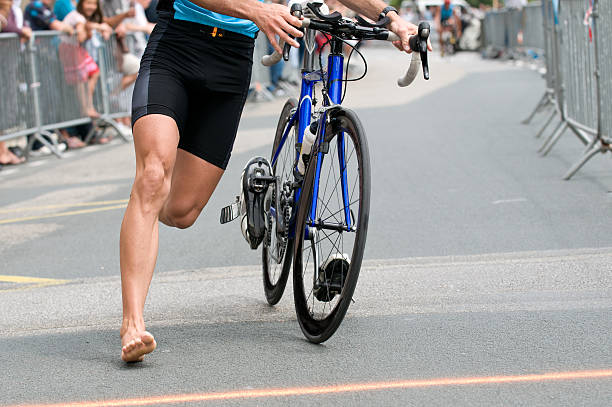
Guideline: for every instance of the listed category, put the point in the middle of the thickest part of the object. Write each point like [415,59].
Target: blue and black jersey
[188,11]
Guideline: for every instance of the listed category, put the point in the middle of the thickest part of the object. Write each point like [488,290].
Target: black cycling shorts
[199,76]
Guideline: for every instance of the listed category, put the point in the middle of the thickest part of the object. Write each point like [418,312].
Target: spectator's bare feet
[8,158]
[136,344]
[74,142]
[93,113]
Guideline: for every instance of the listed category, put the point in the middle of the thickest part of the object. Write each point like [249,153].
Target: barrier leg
[40,136]
[546,124]
[559,130]
[113,124]
[586,140]
[541,104]
[596,148]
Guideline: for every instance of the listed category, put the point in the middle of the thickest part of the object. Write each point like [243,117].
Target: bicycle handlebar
[418,44]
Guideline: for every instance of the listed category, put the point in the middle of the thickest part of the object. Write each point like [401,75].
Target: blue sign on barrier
[556,10]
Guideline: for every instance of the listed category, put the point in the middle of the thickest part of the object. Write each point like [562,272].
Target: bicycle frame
[303,114]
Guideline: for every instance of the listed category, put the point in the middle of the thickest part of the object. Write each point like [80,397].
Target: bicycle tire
[319,330]
[274,289]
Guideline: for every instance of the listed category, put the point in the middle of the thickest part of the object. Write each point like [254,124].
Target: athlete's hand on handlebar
[275,19]
[404,30]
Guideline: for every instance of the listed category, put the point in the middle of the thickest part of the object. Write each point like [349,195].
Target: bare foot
[136,345]
[10,159]
[92,113]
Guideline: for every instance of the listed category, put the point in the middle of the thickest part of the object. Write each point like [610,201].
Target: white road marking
[8,172]
[37,163]
[503,201]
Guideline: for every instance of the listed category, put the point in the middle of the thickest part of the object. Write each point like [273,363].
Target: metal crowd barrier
[260,76]
[601,96]
[43,88]
[578,75]
[575,68]
[513,31]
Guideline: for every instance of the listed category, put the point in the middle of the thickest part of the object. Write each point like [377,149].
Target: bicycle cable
[346,78]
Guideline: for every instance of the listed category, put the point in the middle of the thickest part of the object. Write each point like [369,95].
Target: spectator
[11,21]
[151,11]
[139,26]
[114,15]
[40,17]
[84,67]
[63,7]
[8,24]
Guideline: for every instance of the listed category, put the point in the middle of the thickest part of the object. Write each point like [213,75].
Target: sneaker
[44,150]
[125,130]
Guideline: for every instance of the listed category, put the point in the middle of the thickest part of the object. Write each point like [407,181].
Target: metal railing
[43,87]
[515,32]
[576,42]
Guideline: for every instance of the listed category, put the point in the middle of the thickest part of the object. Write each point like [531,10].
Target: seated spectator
[40,17]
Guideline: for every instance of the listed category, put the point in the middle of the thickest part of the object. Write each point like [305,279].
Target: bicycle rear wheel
[329,245]
[277,250]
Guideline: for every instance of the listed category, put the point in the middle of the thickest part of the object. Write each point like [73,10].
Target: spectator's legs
[91,88]
[127,80]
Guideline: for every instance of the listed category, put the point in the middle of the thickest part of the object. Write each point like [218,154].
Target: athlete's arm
[272,19]
[373,8]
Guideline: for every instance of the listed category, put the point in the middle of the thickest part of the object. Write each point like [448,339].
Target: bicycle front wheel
[277,251]
[330,239]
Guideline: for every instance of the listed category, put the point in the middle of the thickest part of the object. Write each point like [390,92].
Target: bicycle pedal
[331,277]
[230,212]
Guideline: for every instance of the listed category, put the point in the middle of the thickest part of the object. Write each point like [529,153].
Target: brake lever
[418,43]
[296,11]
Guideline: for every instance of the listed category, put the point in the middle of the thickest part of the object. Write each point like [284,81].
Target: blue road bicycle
[309,205]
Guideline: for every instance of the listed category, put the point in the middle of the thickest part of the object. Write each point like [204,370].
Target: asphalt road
[481,263]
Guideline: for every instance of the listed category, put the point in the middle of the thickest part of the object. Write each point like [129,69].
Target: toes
[147,338]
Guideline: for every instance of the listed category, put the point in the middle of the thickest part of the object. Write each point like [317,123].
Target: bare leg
[155,141]
[172,186]
[127,80]
[193,182]
[91,87]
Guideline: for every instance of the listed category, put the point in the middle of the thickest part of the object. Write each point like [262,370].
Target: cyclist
[187,102]
[447,19]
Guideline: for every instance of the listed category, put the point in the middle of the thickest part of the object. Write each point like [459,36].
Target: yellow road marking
[32,282]
[333,389]
[65,205]
[58,215]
